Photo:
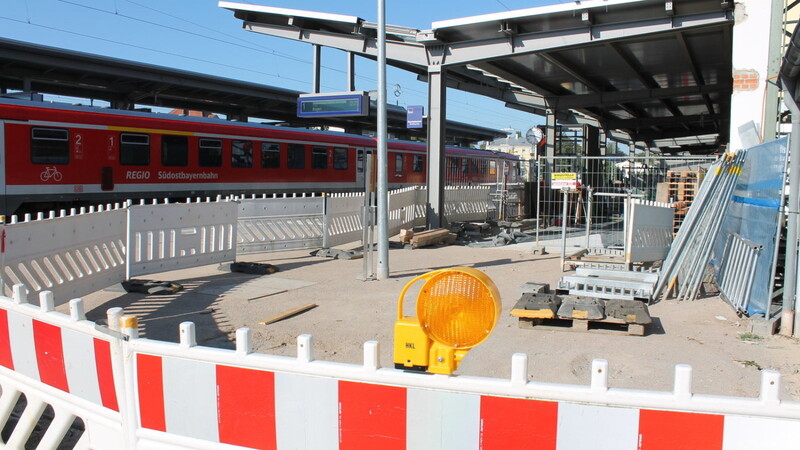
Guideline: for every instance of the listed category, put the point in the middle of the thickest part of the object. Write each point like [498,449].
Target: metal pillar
[315,68]
[351,71]
[383,174]
[436,136]
[769,123]
[550,142]
[788,316]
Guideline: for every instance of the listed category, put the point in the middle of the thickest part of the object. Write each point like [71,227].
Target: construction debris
[538,307]
[684,268]
[151,287]
[254,268]
[338,254]
[432,237]
[578,307]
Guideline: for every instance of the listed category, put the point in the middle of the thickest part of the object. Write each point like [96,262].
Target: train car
[54,156]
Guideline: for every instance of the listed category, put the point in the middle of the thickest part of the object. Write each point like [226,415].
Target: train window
[297,156]
[242,154]
[492,167]
[419,163]
[452,165]
[398,163]
[49,146]
[464,165]
[270,155]
[319,158]
[209,153]
[134,149]
[340,158]
[174,150]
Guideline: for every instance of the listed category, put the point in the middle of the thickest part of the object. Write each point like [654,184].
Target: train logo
[50,173]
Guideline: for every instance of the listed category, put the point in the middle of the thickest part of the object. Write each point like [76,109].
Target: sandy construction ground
[705,333]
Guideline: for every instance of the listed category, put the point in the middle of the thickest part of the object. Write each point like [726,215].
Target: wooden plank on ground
[288,313]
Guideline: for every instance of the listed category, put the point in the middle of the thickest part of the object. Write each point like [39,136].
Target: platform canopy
[36,68]
[656,72]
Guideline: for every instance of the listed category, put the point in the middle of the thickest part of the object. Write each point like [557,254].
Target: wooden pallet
[608,325]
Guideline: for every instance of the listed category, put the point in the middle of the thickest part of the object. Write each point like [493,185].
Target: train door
[3,205]
[364,156]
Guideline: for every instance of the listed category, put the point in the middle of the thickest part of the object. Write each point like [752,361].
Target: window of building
[270,155]
[340,158]
[296,156]
[319,158]
[398,163]
[209,153]
[49,146]
[242,154]
[134,149]
[174,150]
[419,163]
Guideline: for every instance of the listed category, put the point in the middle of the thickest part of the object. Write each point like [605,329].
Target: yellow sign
[564,176]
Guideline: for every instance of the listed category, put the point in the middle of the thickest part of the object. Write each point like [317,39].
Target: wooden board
[288,313]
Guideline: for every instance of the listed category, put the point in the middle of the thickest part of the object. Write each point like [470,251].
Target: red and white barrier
[270,402]
[137,393]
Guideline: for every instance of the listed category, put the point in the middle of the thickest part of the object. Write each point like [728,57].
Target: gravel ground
[705,333]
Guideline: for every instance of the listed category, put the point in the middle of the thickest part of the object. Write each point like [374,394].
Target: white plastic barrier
[180,395]
[406,209]
[279,223]
[71,255]
[649,236]
[344,218]
[168,237]
[462,204]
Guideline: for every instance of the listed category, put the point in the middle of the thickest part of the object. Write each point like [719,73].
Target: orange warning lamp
[457,309]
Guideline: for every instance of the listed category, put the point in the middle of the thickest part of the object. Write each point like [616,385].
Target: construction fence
[590,196]
[78,252]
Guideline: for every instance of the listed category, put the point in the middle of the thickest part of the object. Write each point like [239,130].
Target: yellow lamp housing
[457,309]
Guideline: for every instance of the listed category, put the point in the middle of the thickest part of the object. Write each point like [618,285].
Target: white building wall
[750,58]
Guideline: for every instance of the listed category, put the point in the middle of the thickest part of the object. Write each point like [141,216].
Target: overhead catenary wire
[249,45]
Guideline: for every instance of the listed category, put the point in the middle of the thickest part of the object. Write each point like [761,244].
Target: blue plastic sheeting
[754,214]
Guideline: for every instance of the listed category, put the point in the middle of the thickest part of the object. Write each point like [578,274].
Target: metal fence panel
[649,231]
[71,256]
[463,204]
[605,182]
[179,236]
[275,224]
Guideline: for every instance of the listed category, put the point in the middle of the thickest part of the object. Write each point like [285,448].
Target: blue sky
[199,36]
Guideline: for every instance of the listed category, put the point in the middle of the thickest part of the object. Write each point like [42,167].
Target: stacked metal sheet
[685,267]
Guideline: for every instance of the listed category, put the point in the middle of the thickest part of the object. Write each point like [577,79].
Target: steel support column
[550,140]
[351,71]
[437,94]
[315,67]
[383,170]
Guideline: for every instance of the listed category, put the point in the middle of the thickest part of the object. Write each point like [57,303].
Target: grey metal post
[588,214]
[538,194]
[564,229]
[325,223]
[315,67]
[790,264]
[351,71]
[436,136]
[550,135]
[383,171]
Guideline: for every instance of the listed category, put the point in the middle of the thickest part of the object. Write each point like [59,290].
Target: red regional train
[55,156]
